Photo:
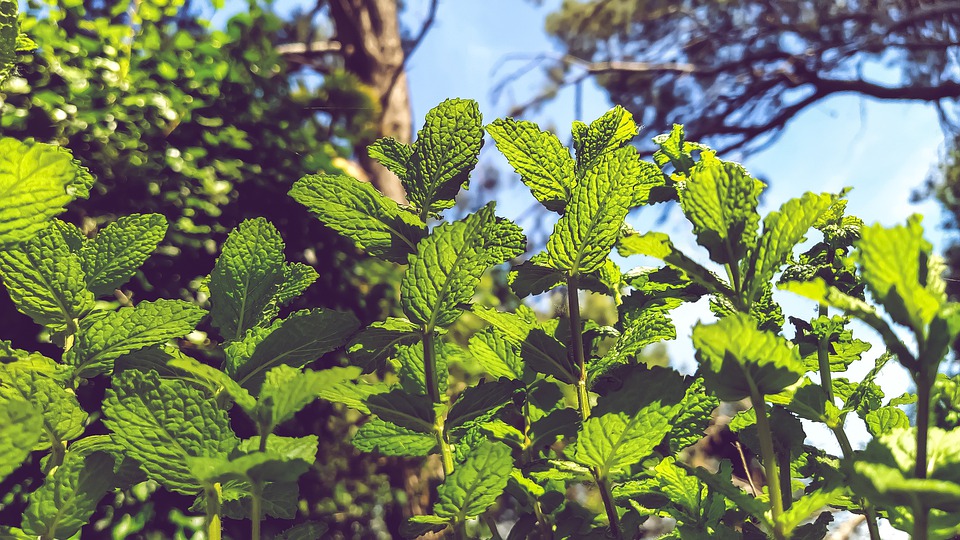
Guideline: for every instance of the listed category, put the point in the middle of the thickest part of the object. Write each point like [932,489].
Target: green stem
[211,521]
[769,458]
[576,333]
[430,367]
[446,454]
[460,530]
[823,358]
[868,510]
[924,383]
[256,511]
[611,508]
[546,531]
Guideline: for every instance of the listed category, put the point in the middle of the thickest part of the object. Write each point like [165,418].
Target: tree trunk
[369,33]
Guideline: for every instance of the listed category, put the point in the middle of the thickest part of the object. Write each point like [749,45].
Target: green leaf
[68,498]
[480,402]
[394,155]
[352,394]
[675,150]
[720,199]
[498,356]
[418,526]
[102,339]
[286,390]
[541,351]
[605,134]
[409,366]
[356,210]
[649,326]
[893,263]
[886,419]
[279,500]
[62,417]
[782,230]
[410,411]
[539,157]
[392,440]
[590,227]
[36,181]
[9,31]
[681,488]
[446,270]
[21,424]
[246,277]
[376,343]
[45,279]
[112,257]
[301,338]
[296,278]
[721,482]
[884,470]
[476,483]
[446,150]
[163,423]
[212,379]
[733,352]
[696,414]
[284,460]
[630,421]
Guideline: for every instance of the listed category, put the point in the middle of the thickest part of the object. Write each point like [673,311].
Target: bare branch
[316,47]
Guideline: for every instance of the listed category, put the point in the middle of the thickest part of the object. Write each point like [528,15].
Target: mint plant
[567,433]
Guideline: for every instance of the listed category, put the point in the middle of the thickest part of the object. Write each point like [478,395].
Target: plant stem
[924,383]
[430,367]
[255,511]
[826,381]
[492,525]
[445,453]
[769,458]
[546,531]
[576,334]
[212,519]
[607,495]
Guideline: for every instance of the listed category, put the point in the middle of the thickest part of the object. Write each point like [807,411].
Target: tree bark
[372,49]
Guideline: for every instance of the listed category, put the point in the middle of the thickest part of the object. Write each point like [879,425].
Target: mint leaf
[605,134]
[301,338]
[36,181]
[498,356]
[102,339]
[45,279]
[246,277]
[480,402]
[392,440]
[211,378]
[371,348]
[446,150]
[589,228]
[394,155]
[446,270]
[62,417]
[119,249]
[349,393]
[279,500]
[782,230]
[284,460]
[409,411]
[418,526]
[675,150]
[696,412]
[163,423]
[409,366]
[286,390]
[630,421]
[649,326]
[720,199]
[893,263]
[884,470]
[539,157]
[296,278]
[9,32]
[722,483]
[886,419]
[356,210]
[733,350]
[21,424]
[541,351]
[67,499]
[476,483]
